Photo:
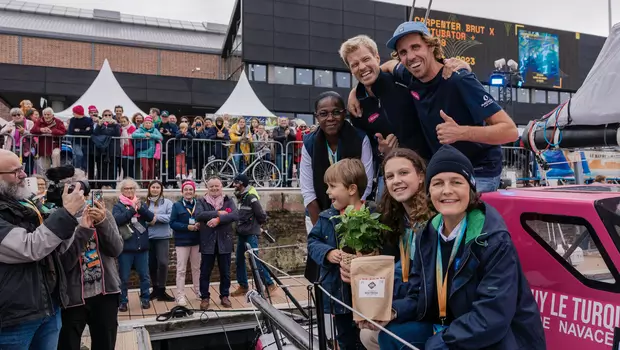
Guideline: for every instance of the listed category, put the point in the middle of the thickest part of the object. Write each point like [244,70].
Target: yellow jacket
[235,139]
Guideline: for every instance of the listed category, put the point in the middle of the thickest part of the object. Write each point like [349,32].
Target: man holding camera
[33,285]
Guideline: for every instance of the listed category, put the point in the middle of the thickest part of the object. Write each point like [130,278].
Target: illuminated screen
[539,58]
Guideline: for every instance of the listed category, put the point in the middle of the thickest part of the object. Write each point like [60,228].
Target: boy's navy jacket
[489,296]
[138,242]
[222,234]
[321,240]
[179,222]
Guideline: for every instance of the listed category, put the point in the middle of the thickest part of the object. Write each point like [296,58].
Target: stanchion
[320,316]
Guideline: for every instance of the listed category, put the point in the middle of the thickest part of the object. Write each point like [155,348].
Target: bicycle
[264,172]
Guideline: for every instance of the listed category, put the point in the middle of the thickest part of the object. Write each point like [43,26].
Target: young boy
[346,182]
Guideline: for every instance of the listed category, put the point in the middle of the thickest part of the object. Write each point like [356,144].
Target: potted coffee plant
[359,233]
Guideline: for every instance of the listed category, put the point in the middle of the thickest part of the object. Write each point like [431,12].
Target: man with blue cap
[457,111]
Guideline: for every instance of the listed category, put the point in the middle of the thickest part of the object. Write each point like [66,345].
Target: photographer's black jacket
[32,280]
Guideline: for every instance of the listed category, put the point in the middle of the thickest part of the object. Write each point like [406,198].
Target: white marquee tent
[244,102]
[104,93]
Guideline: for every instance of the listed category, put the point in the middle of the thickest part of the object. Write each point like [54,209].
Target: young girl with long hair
[404,209]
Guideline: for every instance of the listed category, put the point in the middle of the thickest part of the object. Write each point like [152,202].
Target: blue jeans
[487,184]
[140,260]
[80,150]
[285,169]
[415,333]
[40,334]
[242,275]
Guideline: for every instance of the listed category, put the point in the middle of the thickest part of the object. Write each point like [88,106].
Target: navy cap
[405,29]
[165,114]
[450,160]
[242,179]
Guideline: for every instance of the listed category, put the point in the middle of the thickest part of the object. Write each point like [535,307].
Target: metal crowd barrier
[267,163]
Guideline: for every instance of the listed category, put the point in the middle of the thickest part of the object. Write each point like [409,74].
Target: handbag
[126,232]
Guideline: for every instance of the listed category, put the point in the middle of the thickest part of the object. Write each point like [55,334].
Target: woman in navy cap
[467,287]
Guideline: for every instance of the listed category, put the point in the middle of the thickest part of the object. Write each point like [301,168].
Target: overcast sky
[585,16]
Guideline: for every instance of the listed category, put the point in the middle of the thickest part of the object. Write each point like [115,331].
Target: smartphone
[96,196]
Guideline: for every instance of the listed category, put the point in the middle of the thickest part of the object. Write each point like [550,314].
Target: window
[308,118]
[539,96]
[303,76]
[258,72]
[553,97]
[281,75]
[323,78]
[523,96]
[343,80]
[285,114]
[564,96]
[570,241]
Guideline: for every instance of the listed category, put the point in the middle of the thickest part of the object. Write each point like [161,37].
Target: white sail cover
[104,93]
[244,102]
[597,101]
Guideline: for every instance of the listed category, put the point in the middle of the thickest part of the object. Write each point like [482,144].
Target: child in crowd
[183,151]
[346,182]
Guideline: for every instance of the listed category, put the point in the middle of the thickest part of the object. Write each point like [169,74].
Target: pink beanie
[188,183]
[148,118]
[79,110]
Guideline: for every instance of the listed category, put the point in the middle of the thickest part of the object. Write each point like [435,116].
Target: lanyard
[333,156]
[32,206]
[442,281]
[191,212]
[407,251]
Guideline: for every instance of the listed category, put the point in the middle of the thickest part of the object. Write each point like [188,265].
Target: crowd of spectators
[110,145]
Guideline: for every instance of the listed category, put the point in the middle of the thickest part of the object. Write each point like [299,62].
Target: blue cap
[405,29]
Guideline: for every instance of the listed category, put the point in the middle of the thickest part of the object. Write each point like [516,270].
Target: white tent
[244,102]
[104,93]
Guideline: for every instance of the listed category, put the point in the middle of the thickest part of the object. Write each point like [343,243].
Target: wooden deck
[135,312]
[126,339]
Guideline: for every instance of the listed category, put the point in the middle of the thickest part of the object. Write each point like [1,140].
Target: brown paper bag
[372,286]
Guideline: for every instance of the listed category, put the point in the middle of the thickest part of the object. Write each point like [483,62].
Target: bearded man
[33,287]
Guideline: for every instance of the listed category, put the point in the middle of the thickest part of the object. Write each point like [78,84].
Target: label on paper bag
[372,288]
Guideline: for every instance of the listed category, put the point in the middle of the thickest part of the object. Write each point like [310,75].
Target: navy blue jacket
[179,221]
[184,143]
[489,296]
[139,242]
[390,111]
[321,240]
[222,234]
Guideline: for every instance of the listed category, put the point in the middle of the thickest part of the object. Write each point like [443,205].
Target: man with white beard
[33,282]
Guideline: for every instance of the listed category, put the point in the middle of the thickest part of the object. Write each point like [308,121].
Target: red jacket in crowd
[48,143]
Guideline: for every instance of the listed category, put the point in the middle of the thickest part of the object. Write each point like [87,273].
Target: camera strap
[29,204]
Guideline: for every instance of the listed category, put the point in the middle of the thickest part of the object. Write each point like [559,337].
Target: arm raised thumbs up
[449,131]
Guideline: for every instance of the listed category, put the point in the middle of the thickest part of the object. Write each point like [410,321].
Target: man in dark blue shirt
[455,111]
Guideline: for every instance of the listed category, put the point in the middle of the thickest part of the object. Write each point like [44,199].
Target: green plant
[360,230]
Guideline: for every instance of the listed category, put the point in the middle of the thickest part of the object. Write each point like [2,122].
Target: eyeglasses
[128,188]
[16,114]
[336,113]
[15,172]
[107,115]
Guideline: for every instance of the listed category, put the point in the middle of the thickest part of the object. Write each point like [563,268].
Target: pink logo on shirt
[373,117]
[415,95]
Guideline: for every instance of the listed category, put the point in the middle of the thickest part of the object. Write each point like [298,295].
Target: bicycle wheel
[220,168]
[266,174]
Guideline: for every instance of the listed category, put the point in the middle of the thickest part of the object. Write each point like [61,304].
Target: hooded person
[467,287]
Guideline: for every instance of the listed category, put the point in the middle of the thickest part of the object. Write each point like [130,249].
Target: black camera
[57,187]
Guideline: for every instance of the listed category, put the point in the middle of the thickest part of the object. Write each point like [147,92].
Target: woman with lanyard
[466,287]
[334,140]
[404,209]
[186,239]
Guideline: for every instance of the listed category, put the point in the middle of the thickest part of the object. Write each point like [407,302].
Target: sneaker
[204,305]
[182,301]
[145,304]
[122,307]
[239,292]
[226,303]
[163,296]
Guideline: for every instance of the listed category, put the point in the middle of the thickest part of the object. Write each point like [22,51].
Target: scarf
[216,202]
[350,148]
[129,202]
